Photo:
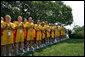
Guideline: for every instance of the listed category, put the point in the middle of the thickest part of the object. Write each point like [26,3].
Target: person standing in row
[57,34]
[60,29]
[62,32]
[52,33]
[47,31]
[43,33]
[19,40]
[29,31]
[10,29]
[38,30]
[32,35]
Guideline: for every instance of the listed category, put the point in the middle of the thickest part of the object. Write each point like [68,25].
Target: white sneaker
[27,48]
[33,48]
[10,54]
[37,47]
[24,51]
[4,54]
[61,39]
[56,41]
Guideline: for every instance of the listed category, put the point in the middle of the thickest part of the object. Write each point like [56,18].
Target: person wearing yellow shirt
[52,33]
[10,40]
[43,33]
[29,38]
[19,40]
[63,32]
[54,26]
[38,30]
[25,34]
[32,35]
[24,30]
[60,30]
[3,37]
[47,31]
[57,34]
[35,27]
[27,25]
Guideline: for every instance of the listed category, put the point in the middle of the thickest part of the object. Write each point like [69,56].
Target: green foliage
[76,36]
[81,33]
[78,28]
[39,10]
[78,32]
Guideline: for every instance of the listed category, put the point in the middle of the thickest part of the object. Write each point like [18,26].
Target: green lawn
[70,47]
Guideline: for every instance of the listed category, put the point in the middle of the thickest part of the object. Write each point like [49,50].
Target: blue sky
[77,11]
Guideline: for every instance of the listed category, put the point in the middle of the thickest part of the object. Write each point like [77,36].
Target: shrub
[77,32]
[81,33]
[76,36]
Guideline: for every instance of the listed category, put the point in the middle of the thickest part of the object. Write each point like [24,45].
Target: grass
[70,47]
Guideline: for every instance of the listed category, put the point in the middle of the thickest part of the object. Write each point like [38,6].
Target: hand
[6,25]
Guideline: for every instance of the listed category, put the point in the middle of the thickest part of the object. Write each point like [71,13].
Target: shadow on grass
[65,41]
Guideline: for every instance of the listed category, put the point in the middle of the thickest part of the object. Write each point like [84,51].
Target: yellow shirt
[43,32]
[10,39]
[38,27]
[3,24]
[54,27]
[59,27]
[27,24]
[47,27]
[52,35]
[20,34]
[24,24]
[17,24]
[32,25]
[4,34]
[51,27]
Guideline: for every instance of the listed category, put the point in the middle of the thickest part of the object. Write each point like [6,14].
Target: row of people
[18,37]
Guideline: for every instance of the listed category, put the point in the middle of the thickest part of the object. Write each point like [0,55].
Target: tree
[78,28]
[39,10]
